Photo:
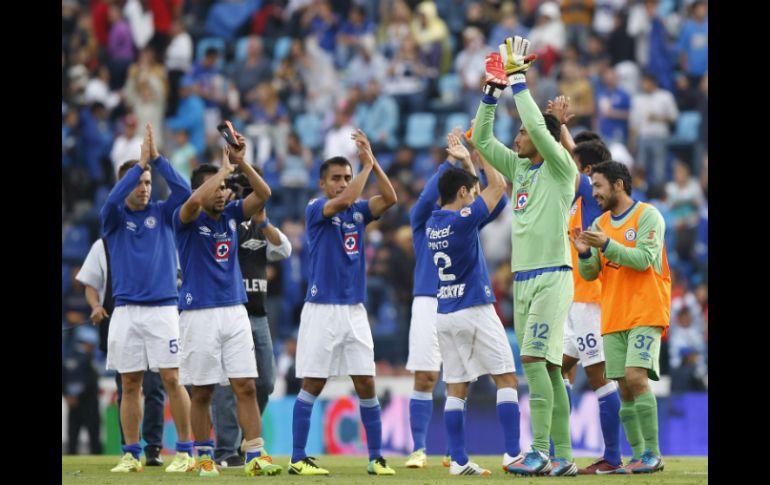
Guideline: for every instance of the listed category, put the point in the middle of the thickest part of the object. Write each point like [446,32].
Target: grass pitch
[345,470]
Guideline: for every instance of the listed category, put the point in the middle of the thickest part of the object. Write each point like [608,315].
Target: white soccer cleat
[469,468]
[510,460]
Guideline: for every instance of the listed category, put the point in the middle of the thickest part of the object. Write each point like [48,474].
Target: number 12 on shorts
[539,330]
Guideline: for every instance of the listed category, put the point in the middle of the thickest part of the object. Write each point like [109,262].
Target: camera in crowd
[238,183]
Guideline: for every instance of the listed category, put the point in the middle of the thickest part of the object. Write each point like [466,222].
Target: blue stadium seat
[504,130]
[281,49]
[687,127]
[308,127]
[449,93]
[241,48]
[207,42]
[457,119]
[420,130]
[75,243]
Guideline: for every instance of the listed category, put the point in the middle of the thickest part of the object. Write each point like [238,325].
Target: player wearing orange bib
[626,251]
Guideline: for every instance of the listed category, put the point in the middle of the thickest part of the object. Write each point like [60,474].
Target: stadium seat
[207,42]
[687,127]
[281,49]
[308,127]
[504,130]
[420,130]
[75,243]
[241,48]
[449,93]
[457,119]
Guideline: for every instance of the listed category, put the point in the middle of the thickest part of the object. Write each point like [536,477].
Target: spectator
[184,158]
[613,106]
[190,114]
[367,63]
[508,26]
[269,127]
[253,70]
[693,44]
[548,37]
[377,116]
[179,56]
[350,34]
[120,47]
[295,177]
[81,391]
[127,145]
[469,65]
[577,16]
[432,37]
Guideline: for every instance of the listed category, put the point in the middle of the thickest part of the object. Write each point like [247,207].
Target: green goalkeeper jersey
[542,194]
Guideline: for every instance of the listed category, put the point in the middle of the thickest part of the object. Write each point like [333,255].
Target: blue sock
[205,447]
[508,414]
[420,411]
[135,449]
[184,447]
[252,454]
[454,420]
[609,416]
[300,425]
[370,416]
[568,386]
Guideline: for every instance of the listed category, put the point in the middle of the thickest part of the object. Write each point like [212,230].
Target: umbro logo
[254,244]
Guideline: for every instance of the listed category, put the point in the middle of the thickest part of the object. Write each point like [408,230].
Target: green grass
[352,471]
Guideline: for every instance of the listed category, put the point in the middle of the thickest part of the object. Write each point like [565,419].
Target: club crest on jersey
[350,241]
[630,235]
[232,224]
[487,291]
[465,212]
[521,200]
[188,298]
[358,217]
[314,290]
[222,251]
[150,222]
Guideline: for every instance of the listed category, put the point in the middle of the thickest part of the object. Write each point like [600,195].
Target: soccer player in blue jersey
[217,344]
[424,355]
[470,335]
[144,332]
[334,334]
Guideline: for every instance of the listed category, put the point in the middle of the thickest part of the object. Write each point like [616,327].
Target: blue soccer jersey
[453,239]
[141,243]
[425,274]
[336,256]
[208,255]
[591,209]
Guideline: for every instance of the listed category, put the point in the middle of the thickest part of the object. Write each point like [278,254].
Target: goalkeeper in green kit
[543,176]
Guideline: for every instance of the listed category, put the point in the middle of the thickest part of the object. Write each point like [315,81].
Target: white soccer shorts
[583,333]
[473,343]
[424,353]
[334,340]
[142,337]
[217,345]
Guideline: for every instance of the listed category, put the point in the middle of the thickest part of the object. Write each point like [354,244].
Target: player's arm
[649,243]
[353,191]
[180,188]
[559,107]
[423,207]
[109,214]
[495,185]
[387,198]
[278,245]
[261,191]
[482,132]
[98,313]
[192,208]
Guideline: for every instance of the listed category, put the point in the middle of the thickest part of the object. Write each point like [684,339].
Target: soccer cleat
[649,463]
[418,459]
[599,467]
[207,467]
[182,463]
[446,461]
[262,465]
[534,462]
[560,467]
[379,467]
[626,470]
[469,468]
[233,461]
[306,466]
[128,464]
[510,460]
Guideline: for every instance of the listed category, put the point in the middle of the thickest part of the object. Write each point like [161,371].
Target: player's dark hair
[126,166]
[451,181]
[586,135]
[339,161]
[196,180]
[554,126]
[591,152]
[614,171]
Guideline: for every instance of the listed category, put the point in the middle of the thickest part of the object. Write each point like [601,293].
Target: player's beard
[610,201]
